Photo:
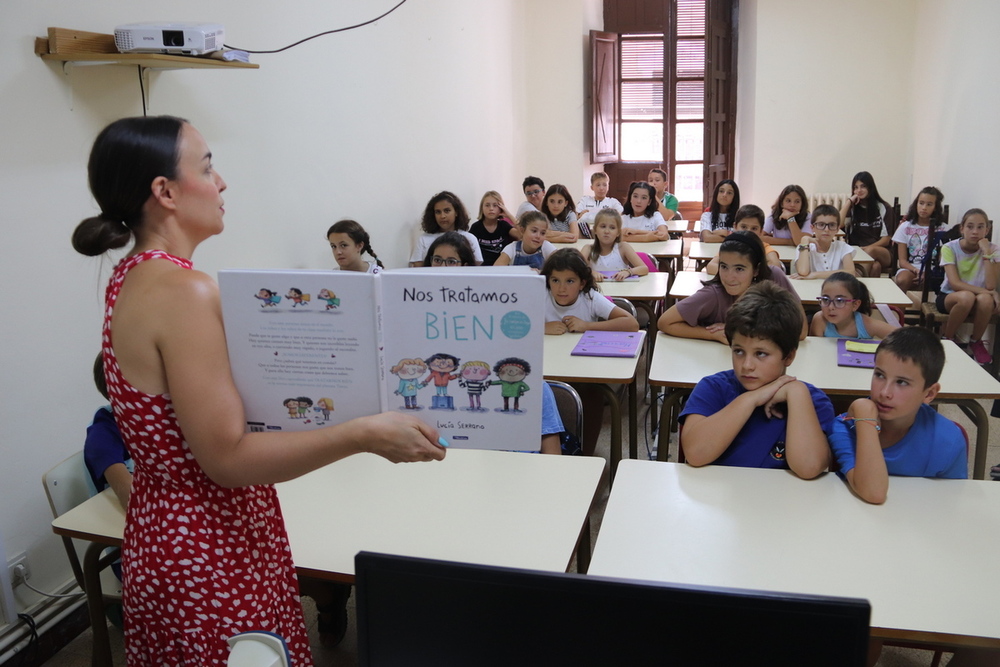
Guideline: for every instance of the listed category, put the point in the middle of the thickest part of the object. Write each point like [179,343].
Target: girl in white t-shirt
[789,219]
[575,304]
[641,221]
[558,208]
[717,221]
[824,255]
[532,250]
[443,213]
[608,255]
[912,235]
[348,239]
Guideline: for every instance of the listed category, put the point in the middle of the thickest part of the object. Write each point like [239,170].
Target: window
[666,86]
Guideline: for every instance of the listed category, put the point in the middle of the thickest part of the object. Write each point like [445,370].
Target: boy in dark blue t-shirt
[755,416]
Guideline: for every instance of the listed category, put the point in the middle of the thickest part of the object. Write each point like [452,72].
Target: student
[532,250]
[715,222]
[845,310]
[970,281]
[495,227]
[534,194]
[558,208]
[703,314]
[864,221]
[443,213]
[104,452]
[824,255]
[575,304]
[450,249]
[666,203]
[750,218]
[895,431]
[202,504]
[348,240]
[912,234]
[608,253]
[641,222]
[589,206]
[789,219]
[754,415]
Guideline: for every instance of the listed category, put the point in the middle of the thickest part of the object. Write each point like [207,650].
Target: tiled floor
[77,654]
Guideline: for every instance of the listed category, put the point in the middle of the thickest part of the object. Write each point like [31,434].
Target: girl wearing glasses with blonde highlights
[450,249]
[845,310]
[823,255]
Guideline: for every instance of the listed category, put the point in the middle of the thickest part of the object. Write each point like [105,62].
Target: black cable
[32,646]
[328,32]
[142,89]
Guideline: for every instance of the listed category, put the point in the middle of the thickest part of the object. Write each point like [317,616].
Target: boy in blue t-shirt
[895,431]
[745,417]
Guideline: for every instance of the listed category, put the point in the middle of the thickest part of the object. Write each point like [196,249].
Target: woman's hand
[402,438]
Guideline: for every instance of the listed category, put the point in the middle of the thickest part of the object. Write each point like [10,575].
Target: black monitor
[414,611]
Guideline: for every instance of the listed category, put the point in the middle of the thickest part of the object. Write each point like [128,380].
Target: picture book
[859,352]
[611,274]
[609,344]
[460,349]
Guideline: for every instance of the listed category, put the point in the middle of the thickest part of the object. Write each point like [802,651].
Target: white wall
[824,91]
[368,123]
[955,98]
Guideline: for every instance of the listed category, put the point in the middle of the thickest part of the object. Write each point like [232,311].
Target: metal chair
[67,485]
[571,412]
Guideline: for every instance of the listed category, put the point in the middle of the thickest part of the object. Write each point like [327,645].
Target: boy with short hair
[895,431]
[745,416]
[588,206]
[534,193]
[750,218]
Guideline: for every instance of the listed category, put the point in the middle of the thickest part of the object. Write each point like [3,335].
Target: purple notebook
[858,358]
[609,344]
[611,274]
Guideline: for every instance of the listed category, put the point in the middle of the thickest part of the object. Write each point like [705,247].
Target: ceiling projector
[190,39]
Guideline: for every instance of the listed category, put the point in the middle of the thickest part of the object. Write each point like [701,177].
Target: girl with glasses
[451,249]
[845,308]
[823,255]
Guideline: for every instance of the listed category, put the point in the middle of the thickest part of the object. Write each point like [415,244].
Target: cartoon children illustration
[324,405]
[292,404]
[304,404]
[331,299]
[511,372]
[475,378]
[408,370]
[297,297]
[442,367]
[268,298]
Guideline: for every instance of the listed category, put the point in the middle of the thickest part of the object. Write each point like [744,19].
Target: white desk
[925,559]
[560,364]
[679,363]
[703,253]
[668,252]
[883,290]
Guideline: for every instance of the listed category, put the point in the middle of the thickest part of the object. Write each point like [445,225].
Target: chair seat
[929,310]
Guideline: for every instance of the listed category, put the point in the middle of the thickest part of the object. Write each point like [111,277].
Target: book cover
[460,349]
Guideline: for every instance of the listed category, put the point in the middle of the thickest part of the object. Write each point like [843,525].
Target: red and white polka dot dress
[200,563]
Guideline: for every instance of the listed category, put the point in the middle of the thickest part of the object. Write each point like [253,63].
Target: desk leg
[616,427]
[670,402]
[101,653]
[633,421]
[975,412]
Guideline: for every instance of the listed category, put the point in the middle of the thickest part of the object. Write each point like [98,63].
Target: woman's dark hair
[800,217]
[429,222]
[857,289]
[749,245]
[938,213]
[127,156]
[870,205]
[357,233]
[558,189]
[99,381]
[651,209]
[570,259]
[716,209]
[532,180]
[456,241]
